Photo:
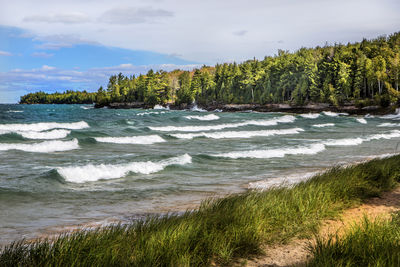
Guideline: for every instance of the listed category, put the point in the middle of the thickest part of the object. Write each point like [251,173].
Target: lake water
[67,165]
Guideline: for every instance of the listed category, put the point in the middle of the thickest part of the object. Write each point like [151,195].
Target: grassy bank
[372,243]
[220,230]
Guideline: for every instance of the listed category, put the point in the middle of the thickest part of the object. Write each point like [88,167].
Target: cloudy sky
[76,44]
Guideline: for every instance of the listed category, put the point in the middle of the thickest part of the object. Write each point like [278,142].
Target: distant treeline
[67,97]
[365,73]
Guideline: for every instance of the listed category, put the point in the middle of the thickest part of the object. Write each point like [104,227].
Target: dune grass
[220,230]
[371,243]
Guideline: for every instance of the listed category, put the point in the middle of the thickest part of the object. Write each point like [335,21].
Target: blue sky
[56,45]
[30,64]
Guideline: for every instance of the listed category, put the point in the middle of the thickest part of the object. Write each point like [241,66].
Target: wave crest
[324,125]
[43,126]
[210,117]
[92,173]
[271,122]
[140,140]
[42,147]
[362,120]
[274,153]
[238,134]
[310,115]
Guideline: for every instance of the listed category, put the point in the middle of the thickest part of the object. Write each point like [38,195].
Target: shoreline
[310,108]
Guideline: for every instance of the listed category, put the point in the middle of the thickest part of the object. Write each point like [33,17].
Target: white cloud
[45,68]
[57,41]
[204,31]
[67,18]
[42,55]
[5,53]
[132,15]
[240,33]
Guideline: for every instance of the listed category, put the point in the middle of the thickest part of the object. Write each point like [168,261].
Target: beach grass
[371,243]
[221,230]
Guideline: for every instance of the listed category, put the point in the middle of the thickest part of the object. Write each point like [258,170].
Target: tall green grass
[220,230]
[372,243]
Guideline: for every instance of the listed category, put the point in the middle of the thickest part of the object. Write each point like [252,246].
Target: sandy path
[296,254]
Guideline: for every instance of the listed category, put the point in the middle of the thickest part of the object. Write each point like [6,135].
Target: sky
[55,45]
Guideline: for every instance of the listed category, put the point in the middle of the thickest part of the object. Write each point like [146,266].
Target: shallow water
[72,164]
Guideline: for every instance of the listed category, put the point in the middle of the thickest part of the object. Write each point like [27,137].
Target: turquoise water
[67,165]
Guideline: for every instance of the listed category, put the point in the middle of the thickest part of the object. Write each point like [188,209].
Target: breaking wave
[388,124]
[151,113]
[395,116]
[92,173]
[54,134]
[210,117]
[360,140]
[324,125]
[274,153]
[361,120]
[42,147]
[334,114]
[271,122]
[196,108]
[310,115]
[43,126]
[238,134]
[140,140]
[160,107]
[306,150]
[344,142]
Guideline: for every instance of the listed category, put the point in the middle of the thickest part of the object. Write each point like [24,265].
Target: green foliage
[335,74]
[68,97]
[372,243]
[220,230]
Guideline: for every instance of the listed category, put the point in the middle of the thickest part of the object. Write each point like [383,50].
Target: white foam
[87,107]
[286,181]
[238,134]
[151,113]
[361,120]
[160,107]
[389,124]
[395,116]
[274,153]
[324,125]
[330,113]
[15,111]
[141,140]
[310,115]
[334,114]
[54,134]
[92,173]
[344,142]
[42,147]
[271,122]
[392,134]
[210,117]
[43,126]
[196,108]
[360,140]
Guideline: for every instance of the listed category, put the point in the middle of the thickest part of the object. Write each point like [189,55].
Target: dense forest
[67,97]
[363,73]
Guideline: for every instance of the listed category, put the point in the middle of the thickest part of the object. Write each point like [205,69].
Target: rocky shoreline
[310,108]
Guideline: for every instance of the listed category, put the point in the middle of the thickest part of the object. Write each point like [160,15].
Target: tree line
[67,97]
[363,73]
